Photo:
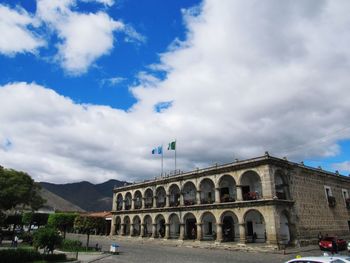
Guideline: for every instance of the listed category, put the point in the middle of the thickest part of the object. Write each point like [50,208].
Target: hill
[57,203]
[88,196]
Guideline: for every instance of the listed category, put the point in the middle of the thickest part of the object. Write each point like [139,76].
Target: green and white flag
[172,145]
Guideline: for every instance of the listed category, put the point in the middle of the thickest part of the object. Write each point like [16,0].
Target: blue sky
[90,87]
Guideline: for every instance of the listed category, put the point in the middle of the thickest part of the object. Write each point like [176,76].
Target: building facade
[264,200]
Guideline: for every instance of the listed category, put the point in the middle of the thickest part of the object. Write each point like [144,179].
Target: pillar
[182,231]
[219,237]
[199,231]
[142,234]
[198,196]
[133,203]
[182,199]
[217,195]
[167,231]
[242,237]
[143,202]
[154,201]
[239,193]
[154,230]
[167,200]
[112,233]
[131,230]
[124,204]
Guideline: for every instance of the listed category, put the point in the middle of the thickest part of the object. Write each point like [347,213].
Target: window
[345,194]
[330,198]
[328,191]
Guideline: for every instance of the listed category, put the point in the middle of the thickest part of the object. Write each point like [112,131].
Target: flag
[172,145]
[157,150]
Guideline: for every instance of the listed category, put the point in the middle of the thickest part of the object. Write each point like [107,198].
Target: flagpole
[175,155]
[161,175]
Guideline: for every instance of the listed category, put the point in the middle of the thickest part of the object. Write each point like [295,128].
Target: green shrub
[19,255]
[55,257]
[71,245]
[47,238]
[27,237]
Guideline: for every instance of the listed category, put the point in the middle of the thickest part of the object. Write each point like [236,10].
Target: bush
[19,255]
[47,238]
[71,245]
[27,237]
[54,257]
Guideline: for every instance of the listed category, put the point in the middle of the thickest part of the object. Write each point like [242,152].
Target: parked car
[321,259]
[326,243]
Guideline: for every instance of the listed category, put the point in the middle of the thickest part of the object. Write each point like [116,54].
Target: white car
[321,259]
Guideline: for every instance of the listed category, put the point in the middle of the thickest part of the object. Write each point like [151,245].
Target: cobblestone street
[132,250]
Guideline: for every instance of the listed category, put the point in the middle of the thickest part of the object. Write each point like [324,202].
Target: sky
[89,87]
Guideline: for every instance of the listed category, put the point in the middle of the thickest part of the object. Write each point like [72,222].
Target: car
[349,246]
[321,259]
[326,243]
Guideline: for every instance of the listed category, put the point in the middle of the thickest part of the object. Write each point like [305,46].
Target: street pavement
[143,250]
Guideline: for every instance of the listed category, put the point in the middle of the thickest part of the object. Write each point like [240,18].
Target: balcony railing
[138,204]
[174,203]
[226,198]
[207,201]
[281,195]
[148,205]
[189,202]
[331,201]
[161,204]
[251,196]
[127,207]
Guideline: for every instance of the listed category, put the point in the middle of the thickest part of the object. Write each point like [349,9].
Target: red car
[326,243]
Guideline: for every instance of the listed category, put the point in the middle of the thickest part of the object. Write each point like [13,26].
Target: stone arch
[174,195]
[209,230]
[136,222]
[281,185]
[230,226]
[190,222]
[255,227]
[118,223]
[148,198]
[285,235]
[207,190]
[174,225]
[126,222]
[251,185]
[147,221]
[160,226]
[228,189]
[160,196]
[189,193]
[137,199]
[128,200]
[119,201]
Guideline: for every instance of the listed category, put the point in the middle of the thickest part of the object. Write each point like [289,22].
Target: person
[15,241]
[193,233]
[254,237]
[334,246]
[319,236]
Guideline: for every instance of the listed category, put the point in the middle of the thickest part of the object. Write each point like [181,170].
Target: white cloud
[16,37]
[343,166]
[112,82]
[104,2]
[250,77]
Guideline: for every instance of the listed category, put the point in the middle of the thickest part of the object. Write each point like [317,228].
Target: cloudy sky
[89,87]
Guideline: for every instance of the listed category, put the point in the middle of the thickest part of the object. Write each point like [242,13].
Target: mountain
[88,196]
[57,203]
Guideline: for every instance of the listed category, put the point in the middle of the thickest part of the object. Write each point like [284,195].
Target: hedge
[27,255]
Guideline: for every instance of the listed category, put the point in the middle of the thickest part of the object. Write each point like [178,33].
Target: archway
[284,236]
[161,196]
[189,192]
[149,198]
[208,226]
[174,192]
[117,225]
[230,226]
[174,224]
[138,199]
[137,226]
[251,186]
[255,227]
[190,226]
[227,187]
[119,202]
[128,200]
[126,226]
[207,189]
[281,185]
[160,228]
[148,226]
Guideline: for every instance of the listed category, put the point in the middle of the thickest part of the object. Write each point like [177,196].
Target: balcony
[250,196]
[138,204]
[331,201]
[226,198]
[281,195]
[161,203]
[127,207]
[207,201]
[189,202]
[148,205]
[174,203]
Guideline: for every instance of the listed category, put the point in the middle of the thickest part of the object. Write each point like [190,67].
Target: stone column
[133,203]
[182,232]
[199,231]
[239,193]
[132,227]
[167,231]
[242,237]
[217,195]
[112,233]
[142,234]
[154,230]
[182,199]
[122,229]
[154,201]
[219,237]
[198,197]
[124,204]
[143,199]
[167,200]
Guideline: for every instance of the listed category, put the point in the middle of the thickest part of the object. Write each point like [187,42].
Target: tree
[47,238]
[62,221]
[18,188]
[87,224]
[36,219]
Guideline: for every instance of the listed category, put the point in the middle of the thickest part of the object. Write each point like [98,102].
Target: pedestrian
[15,241]
[193,233]
[319,236]
[334,246]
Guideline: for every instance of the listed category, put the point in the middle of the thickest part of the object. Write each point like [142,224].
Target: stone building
[264,199]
